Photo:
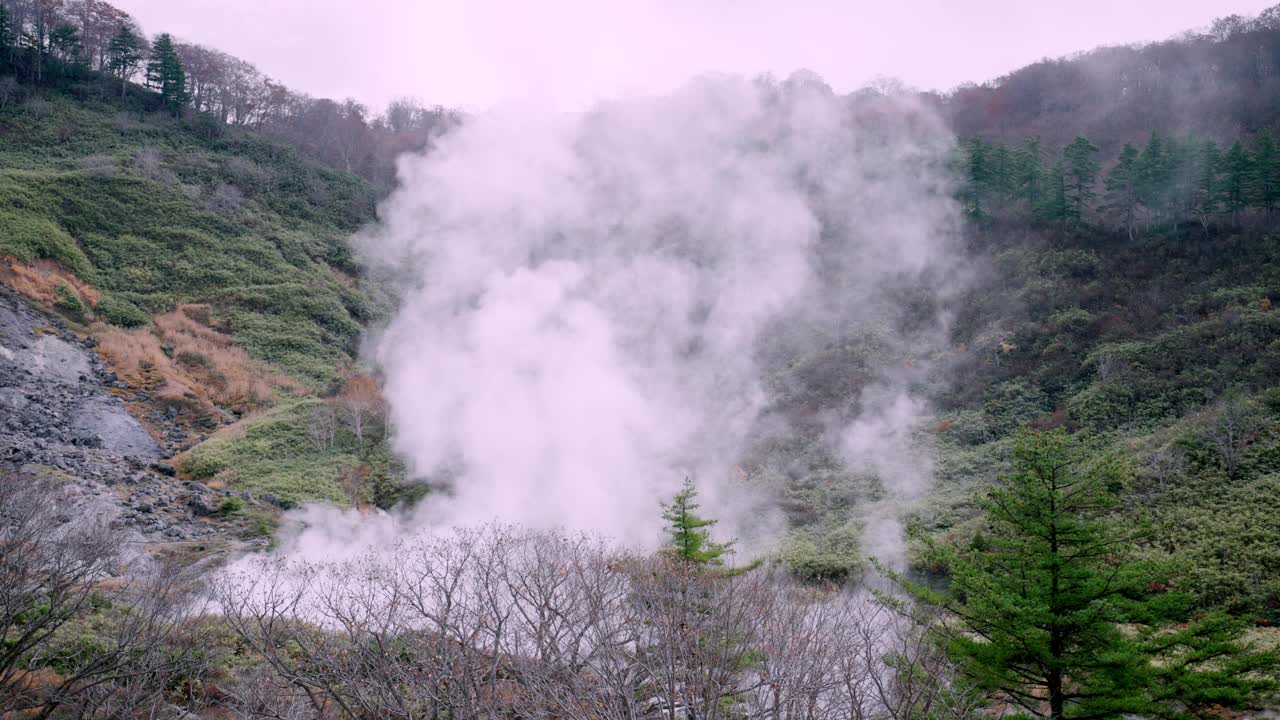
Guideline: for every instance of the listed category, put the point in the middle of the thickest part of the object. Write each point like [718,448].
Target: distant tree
[1042,593]
[360,404]
[1155,172]
[125,54]
[978,174]
[64,47]
[1080,175]
[7,36]
[165,74]
[1122,188]
[1206,189]
[1053,203]
[1264,182]
[1029,173]
[97,21]
[690,539]
[39,18]
[1237,171]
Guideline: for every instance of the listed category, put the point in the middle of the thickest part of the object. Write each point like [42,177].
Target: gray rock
[203,505]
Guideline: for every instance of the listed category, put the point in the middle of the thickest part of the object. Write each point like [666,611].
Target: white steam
[583,297]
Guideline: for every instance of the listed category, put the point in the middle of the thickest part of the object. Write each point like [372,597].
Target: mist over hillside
[748,400]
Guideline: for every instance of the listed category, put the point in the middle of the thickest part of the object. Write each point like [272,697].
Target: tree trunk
[1057,698]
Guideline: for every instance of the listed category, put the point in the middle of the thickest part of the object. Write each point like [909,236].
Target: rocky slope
[62,415]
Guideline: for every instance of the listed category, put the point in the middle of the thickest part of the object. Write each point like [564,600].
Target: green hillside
[153,213]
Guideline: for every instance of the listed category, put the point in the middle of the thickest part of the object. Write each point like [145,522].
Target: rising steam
[584,298]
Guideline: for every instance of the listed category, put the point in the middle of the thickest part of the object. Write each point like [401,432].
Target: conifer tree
[1080,171]
[1029,174]
[1122,188]
[1206,190]
[690,538]
[1236,173]
[1042,594]
[1264,182]
[7,36]
[124,55]
[165,74]
[978,177]
[1053,204]
[1154,173]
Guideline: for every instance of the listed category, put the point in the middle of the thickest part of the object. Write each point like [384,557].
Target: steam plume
[583,297]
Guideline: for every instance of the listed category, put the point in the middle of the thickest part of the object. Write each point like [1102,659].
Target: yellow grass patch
[184,360]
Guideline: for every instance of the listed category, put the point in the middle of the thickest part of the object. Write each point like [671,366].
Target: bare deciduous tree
[52,567]
[322,427]
[504,622]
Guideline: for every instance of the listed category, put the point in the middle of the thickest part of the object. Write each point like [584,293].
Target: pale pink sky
[475,53]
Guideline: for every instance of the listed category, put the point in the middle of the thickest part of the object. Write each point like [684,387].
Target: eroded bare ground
[63,415]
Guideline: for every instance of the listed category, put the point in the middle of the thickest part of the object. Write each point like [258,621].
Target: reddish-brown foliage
[184,360]
[40,279]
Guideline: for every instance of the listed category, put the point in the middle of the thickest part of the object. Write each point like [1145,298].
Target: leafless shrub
[100,165]
[322,427]
[1230,428]
[53,568]
[9,90]
[499,622]
[150,163]
[38,106]
[225,198]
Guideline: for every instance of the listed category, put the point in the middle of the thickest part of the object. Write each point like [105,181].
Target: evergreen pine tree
[1053,203]
[1029,174]
[1237,171]
[64,47]
[1206,190]
[165,74]
[978,176]
[690,537]
[124,55]
[1080,174]
[1264,182]
[7,36]
[1042,594]
[1122,188]
[1154,174]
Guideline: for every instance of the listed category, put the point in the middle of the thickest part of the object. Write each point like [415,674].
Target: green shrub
[120,312]
[28,236]
[68,301]
[230,506]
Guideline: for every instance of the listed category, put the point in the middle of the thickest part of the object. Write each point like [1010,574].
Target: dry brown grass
[185,360]
[40,279]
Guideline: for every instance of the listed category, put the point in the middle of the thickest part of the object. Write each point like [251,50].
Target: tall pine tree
[1155,174]
[1264,182]
[1080,175]
[1206,189]
[1029,174]
[165,74]
[1055,614]
[1122,188]
[124,55]
[8,37]
[1237,171]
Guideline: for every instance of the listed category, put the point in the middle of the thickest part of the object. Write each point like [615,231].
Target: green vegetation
[690,538]
[153,214]
[66,300]
[282,453]
[1171,180]
[1054,604]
